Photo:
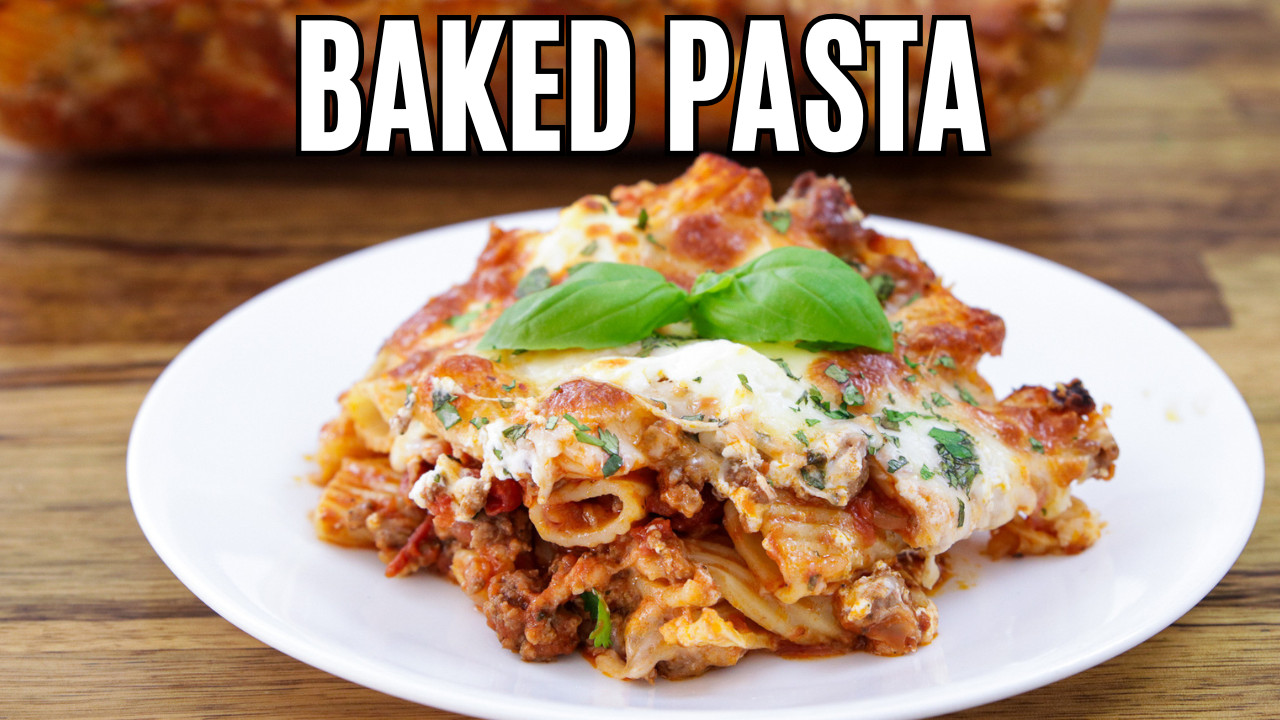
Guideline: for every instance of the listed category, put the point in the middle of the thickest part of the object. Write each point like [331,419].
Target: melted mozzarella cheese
[584,234]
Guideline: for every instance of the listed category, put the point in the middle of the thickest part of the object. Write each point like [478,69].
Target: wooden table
[1161,182]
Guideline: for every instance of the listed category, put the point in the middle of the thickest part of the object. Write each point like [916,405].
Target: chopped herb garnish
[1037,446]
[811,421]
[506,404]
[940,400]
[882,285]
[591,248]
[926,473]
[698,379]
[442,406]
[642,220]
[779,219]
[785,368]
[574,422]
[946,361]
[515,432]
[910,363]
[960,517]
[479,422]
[955,449]
[509,388]
[813,477]
[611,464]
[743,379]
[695,418]
[410,395]
[654,241]
[799,435]
[896,326]
[837,373]
[552,422]
[852,395]
[535,280]
[965,396]
[602,634]
[911,378]
[497,452]
[914,297]
[462,322]
[896,464]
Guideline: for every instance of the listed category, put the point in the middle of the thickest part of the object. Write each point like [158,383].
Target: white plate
[218,446]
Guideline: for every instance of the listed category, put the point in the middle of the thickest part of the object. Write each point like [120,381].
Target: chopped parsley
[410,395]
[912,378]
[811,421]
[852,395]
[642,220]
[815,397]
[654,241]
[695,418]
[743,379]
[926,473]
[779,219]
[910,363]
[965,396]
[574,422]
[591,248]
[537,279]
[611,465]
[552,422]
[940,400]
[897,326]
[837,373]
[442,406]
[698,379]
[882,285]
[602,635]
[958,464]
[946,361]
[799,435]
[462,323]
[515,432]
[896,464]
[479,422]
[509,388]
[785,368]
[960,517]
[914,297]
[1037,446]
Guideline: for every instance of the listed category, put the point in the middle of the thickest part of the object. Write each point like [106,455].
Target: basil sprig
[600,305]
[787,294]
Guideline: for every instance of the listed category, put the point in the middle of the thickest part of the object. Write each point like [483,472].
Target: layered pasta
[667,506]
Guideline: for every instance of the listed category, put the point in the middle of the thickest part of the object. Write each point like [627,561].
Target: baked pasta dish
[668,504]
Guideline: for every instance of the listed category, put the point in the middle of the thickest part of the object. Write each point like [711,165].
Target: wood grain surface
[1162,181]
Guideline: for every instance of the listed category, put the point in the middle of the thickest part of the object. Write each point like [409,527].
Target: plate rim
[439,694]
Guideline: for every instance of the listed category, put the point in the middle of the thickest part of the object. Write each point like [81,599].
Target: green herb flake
[813,477]
[911,378]
[442,406]
[591,248]
[1037,446]
[779,219]
[743,379]
[896,464]
[939,400]
[535,280]
[946,361]
[852,395]
[897,326]
[694,418]
[837,373]
[799,435]
[479,422]
[642,220]
[497,452]
[410,395]
[552,422]
[574,422]
[698,379]
[811,421]
[649,238]
[509,388]
[602,635]
[785,368]
[914,297]
[462,323]
[960,516]
[882,285]
[965,396]
[506,404]
[911,364]
[515,432]
[958,464]
[926,473]
[611,464]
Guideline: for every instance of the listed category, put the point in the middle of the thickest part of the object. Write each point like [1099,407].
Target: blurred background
[148,186]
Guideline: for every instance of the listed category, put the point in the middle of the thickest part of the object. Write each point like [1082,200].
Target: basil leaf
[536,279]
[600,305]
[787,294]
